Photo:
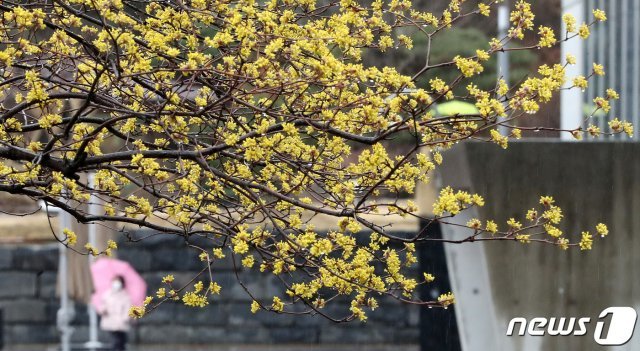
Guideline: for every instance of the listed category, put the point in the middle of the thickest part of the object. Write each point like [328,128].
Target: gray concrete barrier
[592,182]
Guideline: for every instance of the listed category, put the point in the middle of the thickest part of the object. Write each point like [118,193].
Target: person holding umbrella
[114,313]
[117,287]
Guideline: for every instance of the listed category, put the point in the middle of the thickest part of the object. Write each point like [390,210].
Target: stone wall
[27,293]
[29,304]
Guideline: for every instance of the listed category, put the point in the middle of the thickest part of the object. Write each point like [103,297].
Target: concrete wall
[592,182]
[27,298]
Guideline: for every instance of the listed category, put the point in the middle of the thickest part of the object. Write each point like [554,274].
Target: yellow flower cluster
[586,241]
[602,229]
[25,18]
[541,221]
[91,250]
[569,22]
[453,202]
[111,245]
[240,120]
[499,139]
[618,126]
[547,37]
[468,67]
[522,19]
[446,299]
[137,312]
[49,120]
[599,15]
[70,236]
[37,91]
[194,299]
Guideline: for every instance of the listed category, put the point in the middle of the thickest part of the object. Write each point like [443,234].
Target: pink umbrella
[104,270]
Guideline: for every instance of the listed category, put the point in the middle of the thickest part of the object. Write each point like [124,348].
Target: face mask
[116,285]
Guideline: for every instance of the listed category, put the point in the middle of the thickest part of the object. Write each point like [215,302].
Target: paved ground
[291,347]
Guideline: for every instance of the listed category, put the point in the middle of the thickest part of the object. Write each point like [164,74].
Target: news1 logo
[621,326]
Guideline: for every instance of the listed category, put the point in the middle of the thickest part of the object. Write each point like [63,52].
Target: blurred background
[44,290]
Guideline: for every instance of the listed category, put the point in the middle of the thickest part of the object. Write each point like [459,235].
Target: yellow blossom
[248,261]
[547,37]
[217,253]
[563,243]
[602,229]
[446,299]
[598,69]
[482,55]
[429,277]
[570,22]
[583,31]
[491,227]
[514,224]
[91,249]
[70,236]
[484,9]
[602,104]
[599,15]
[612,94]
[255,306]
[499,139]
[49,120]
[278,305]
[586,241]
[547,200]
[137,312]
[468,67]
[193,299]
[214,288]
[594,131]
[580,82]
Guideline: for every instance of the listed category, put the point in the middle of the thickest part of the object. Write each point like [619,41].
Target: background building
[614,43]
